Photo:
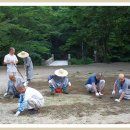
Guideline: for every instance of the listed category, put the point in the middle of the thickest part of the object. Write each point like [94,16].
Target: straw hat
[61,73]
[23,54]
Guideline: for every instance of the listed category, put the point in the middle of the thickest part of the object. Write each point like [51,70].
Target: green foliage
[37,58]
[75,61]
[79,31]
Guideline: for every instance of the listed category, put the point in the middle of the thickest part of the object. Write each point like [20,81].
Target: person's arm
[94,87]
[50,77]
[69,84]
[125,86]
[114,88]
[122,96]
[6,61]
[10,62]
[123,93]
[21,105]
[16,60]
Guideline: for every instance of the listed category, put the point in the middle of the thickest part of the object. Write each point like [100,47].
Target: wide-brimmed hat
[61,73]
[23,54]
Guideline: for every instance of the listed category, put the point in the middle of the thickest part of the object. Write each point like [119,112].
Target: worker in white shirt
[11,60]
[30,99]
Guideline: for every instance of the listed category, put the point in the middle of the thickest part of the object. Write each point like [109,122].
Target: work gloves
[99,94]
[117,100]
[17,114]
[69,84]
[50,82]
[25,84]
[113,92]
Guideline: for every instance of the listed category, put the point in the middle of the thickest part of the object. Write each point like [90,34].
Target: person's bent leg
[52,90]
[65,89]
[34,105]
[101,86]
[122,95]
[89,88]
[29,75]
[9,88]
[65,86]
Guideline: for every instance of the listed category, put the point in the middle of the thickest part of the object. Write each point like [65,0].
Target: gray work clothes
[29,68]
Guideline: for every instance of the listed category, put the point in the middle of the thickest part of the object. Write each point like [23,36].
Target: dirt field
[78,107]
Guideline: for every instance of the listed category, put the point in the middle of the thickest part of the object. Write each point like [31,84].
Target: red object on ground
[58,90]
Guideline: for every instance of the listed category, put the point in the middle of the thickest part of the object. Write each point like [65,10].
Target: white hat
[61,73]
[23,54]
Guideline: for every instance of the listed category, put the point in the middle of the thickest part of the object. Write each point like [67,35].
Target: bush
[82,61]
[115,59]
[125,59]
[36,59]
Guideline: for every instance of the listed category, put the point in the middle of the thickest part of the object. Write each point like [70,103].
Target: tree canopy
[79,31]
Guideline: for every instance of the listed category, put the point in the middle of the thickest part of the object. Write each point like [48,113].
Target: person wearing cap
[122,87]
[95,84]
[59,80]
[30,99]
[28,64]
[12,83]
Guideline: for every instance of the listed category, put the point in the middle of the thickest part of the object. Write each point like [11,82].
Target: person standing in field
[11,60]
[28,64]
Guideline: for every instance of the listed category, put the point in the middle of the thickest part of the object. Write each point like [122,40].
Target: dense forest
[79,31]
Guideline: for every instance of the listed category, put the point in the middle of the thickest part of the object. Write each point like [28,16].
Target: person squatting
[32,100]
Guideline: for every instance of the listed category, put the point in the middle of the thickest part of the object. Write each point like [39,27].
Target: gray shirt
[125,86]
[28,63]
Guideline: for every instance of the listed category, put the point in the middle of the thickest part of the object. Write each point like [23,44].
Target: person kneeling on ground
[59,82]
[30,99]
[11,88]
[122,87]
[96,84]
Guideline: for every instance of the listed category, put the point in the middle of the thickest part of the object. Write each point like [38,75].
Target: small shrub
[82,61]
[36,59]
[115,59]
[125,59]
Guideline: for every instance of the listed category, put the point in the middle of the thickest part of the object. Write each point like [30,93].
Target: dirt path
[78,107]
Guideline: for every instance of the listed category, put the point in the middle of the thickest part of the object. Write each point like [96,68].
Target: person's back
[30,99]
[31,92]
[28,62]
[92,79]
